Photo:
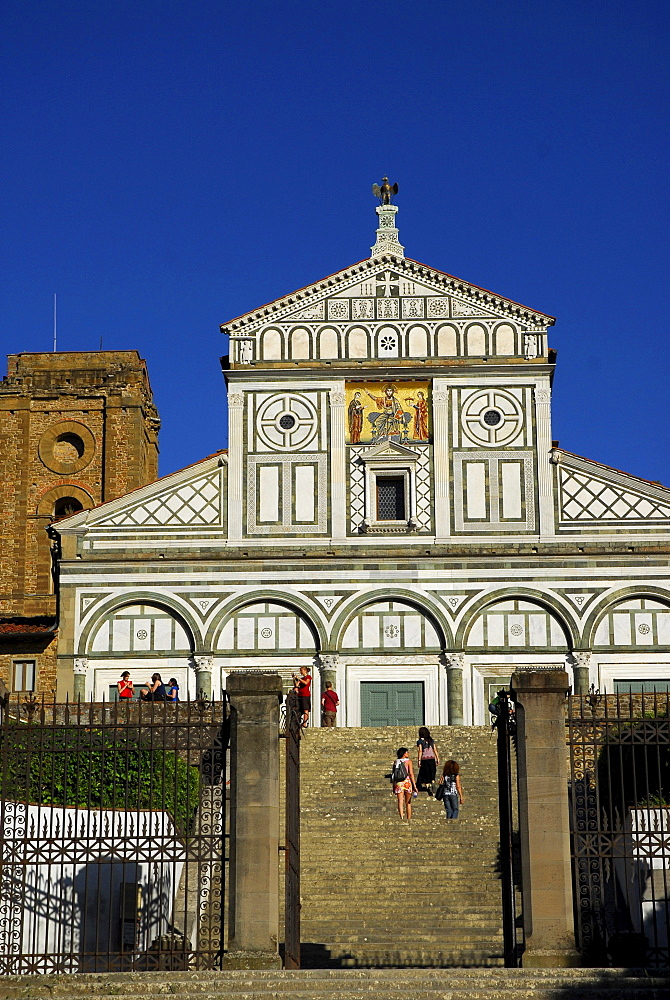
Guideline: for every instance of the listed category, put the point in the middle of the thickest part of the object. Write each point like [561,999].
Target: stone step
[359,984]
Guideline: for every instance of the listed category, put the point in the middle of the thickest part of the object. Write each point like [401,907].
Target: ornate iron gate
[111,836]
[292,883]
[504,722]
[620,813]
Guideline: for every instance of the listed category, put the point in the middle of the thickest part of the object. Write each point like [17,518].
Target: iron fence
[112,832]
[620,814]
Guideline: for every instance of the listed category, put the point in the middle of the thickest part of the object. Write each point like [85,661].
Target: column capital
[203,661]
[329,661]
[455,660]
[337,397]
[81,665]
[581,657]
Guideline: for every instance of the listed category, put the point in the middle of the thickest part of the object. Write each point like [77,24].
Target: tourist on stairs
[453,793]
[404,785]
[428,759]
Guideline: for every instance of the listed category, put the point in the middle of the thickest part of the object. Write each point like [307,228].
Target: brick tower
[76,429]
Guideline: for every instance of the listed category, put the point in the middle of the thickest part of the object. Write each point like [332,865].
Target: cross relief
[387,284]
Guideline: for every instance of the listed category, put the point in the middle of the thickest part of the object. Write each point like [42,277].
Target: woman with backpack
[428,759]
[453,793]
[404,785]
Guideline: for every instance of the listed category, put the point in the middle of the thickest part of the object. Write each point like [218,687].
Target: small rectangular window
[391,498]
[24,675]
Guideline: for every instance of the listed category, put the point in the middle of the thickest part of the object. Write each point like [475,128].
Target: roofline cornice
[280,308]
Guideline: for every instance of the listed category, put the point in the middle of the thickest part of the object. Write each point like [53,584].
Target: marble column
[455,664]
[581,663]
[328,663]
[544,467]
[80,675]
[440,402]
[203,666]
[338,463]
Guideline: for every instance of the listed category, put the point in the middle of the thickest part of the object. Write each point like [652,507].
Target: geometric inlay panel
[194,503]
[287,421]
[587,498]
[491,417]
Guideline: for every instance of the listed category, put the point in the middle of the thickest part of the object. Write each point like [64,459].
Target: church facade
[391,511]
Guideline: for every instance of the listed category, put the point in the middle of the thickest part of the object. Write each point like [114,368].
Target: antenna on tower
[54,322]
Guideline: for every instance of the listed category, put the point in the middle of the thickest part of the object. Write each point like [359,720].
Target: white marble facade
[391,506]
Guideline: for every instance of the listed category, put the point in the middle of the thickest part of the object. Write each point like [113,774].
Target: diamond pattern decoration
[357,491]
[587,498]
[423,490]
[193,503]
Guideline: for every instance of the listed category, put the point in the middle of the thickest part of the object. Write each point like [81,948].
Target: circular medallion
[516,629]
[142,633]
[492,417]
[643,629]
[266,633]
[287,422]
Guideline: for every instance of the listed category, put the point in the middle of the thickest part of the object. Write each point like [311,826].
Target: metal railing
[620,815]
[112,827]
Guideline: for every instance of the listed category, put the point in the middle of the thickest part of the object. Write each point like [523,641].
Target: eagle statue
[384,191]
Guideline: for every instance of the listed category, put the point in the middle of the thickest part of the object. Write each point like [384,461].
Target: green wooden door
[392,703]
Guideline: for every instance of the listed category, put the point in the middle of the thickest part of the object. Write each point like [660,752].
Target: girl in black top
[154,691]
[428,759]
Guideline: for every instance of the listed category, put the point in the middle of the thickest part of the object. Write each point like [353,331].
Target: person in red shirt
[302,685]
[329,703]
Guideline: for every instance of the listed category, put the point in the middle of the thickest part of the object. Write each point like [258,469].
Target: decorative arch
[558,614]
[301,343]
[358,343]
[637,617]
[421,604]
[505,339]
[105,611]
[299,606]
[45,507]
[272,345]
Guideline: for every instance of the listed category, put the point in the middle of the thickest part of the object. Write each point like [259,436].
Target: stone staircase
[346,984]
[379,892]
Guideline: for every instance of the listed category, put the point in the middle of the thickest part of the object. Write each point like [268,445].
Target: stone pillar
[440,401]
[338,464]
[544,469]
[203,666]
[544,823]
[455,664]
[254,820]
[235,464]
[80,675]
[581,663]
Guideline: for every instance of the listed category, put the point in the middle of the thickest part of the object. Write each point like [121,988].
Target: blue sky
[169,165]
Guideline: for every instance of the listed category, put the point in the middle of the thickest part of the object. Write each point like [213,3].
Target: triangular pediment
[597,495]
[190,498]
[420,293]
[388,449]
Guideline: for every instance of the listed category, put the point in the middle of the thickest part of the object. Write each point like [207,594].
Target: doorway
[392,703]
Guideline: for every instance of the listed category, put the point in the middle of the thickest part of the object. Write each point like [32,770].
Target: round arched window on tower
[66,506]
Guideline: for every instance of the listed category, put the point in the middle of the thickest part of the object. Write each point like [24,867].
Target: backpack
[399,772]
